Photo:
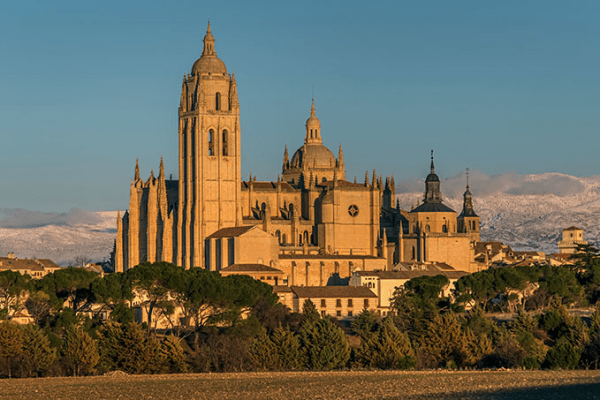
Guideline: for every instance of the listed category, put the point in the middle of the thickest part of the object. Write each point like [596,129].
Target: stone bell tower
[209,155]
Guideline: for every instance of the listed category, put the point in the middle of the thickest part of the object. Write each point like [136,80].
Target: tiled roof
[282,289]
[325,256]
[332,291]
[572,228]
[230,232]
[411,274]
[251,268]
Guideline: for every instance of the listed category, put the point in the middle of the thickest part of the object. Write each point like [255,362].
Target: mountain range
[527,212]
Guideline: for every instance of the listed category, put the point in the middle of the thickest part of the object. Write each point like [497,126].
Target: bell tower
[209,155]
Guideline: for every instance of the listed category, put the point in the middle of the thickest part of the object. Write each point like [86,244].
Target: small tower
[468,220]
[571,237]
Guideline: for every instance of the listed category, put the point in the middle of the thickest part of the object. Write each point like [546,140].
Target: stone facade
[318,228]
[571,237]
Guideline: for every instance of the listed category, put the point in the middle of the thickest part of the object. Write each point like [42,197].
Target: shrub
[562,356]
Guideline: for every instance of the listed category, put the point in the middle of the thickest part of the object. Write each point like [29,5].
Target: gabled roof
[572,228]
[246,268]
[234,231]
[407,275]
[332,291]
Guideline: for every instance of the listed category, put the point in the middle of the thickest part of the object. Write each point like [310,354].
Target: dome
[212,65]
[432,177]
[209,63]
[314,156]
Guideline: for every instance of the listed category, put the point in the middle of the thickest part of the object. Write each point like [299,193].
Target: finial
[467,177]
[312,108]
[432,168]
[137,170]
[161,171]
[208,29]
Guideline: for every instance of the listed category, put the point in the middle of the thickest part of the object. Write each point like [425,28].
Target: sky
[499,87]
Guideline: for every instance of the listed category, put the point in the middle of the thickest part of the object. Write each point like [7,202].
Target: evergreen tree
[79,351]
[309,312]
[11,345]
[325,345]
[562,356]
[445,343]
[263,353]
[288,348]
[173,355]
[387,348]
[38,355]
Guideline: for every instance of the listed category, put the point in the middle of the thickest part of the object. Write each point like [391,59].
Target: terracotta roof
[573,228]
[282,289]
[234,231]
[332,291]
[411,274]
[326,256]
[251,268]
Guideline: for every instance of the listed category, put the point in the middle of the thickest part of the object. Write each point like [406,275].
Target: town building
[36,268]
[571,238]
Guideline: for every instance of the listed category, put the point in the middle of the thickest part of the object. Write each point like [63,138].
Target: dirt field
[511,385]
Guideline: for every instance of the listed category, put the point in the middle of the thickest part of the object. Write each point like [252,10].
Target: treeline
[84,324]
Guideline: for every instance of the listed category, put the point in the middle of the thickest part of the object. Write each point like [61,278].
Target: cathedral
[311,225]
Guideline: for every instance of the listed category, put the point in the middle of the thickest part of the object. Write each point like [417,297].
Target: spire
[433,193]
[367,178]
[137,171]
[468,210]
[432,167]
[286,159]
[340,156]
[209,44]
[233,96]
[161,170]
[313,127]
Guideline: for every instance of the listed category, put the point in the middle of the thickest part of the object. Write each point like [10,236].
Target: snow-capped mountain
[59,237]
[527,212]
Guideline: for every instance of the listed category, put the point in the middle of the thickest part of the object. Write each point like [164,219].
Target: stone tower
[468,220]
[209,155]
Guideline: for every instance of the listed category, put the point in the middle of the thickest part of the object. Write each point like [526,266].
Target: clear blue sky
[88,87]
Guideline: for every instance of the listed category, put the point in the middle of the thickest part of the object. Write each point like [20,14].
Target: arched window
[224,143]
[283,239]
[413,252]
[300,239]
[217,101]
[306,237]
[427,228]
[278,236]
[415,228]
[444,229]
[211,142]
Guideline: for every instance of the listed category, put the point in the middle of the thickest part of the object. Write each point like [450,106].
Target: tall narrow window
[218,101]
[225,150]
[211,142]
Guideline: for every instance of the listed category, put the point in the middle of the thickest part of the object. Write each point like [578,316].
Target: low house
[36,268]
[342,302]
[385,283]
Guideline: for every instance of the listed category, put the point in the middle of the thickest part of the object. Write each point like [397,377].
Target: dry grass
[511,385]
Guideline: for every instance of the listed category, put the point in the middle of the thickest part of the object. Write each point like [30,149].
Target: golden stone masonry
[310,227]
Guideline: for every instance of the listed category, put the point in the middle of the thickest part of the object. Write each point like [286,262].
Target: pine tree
[309,312]
[263,353]
[445,343]
[393,349]
[324,345]
[80,352]
[38,355]
[11,345]
[172,353]
[287,346]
